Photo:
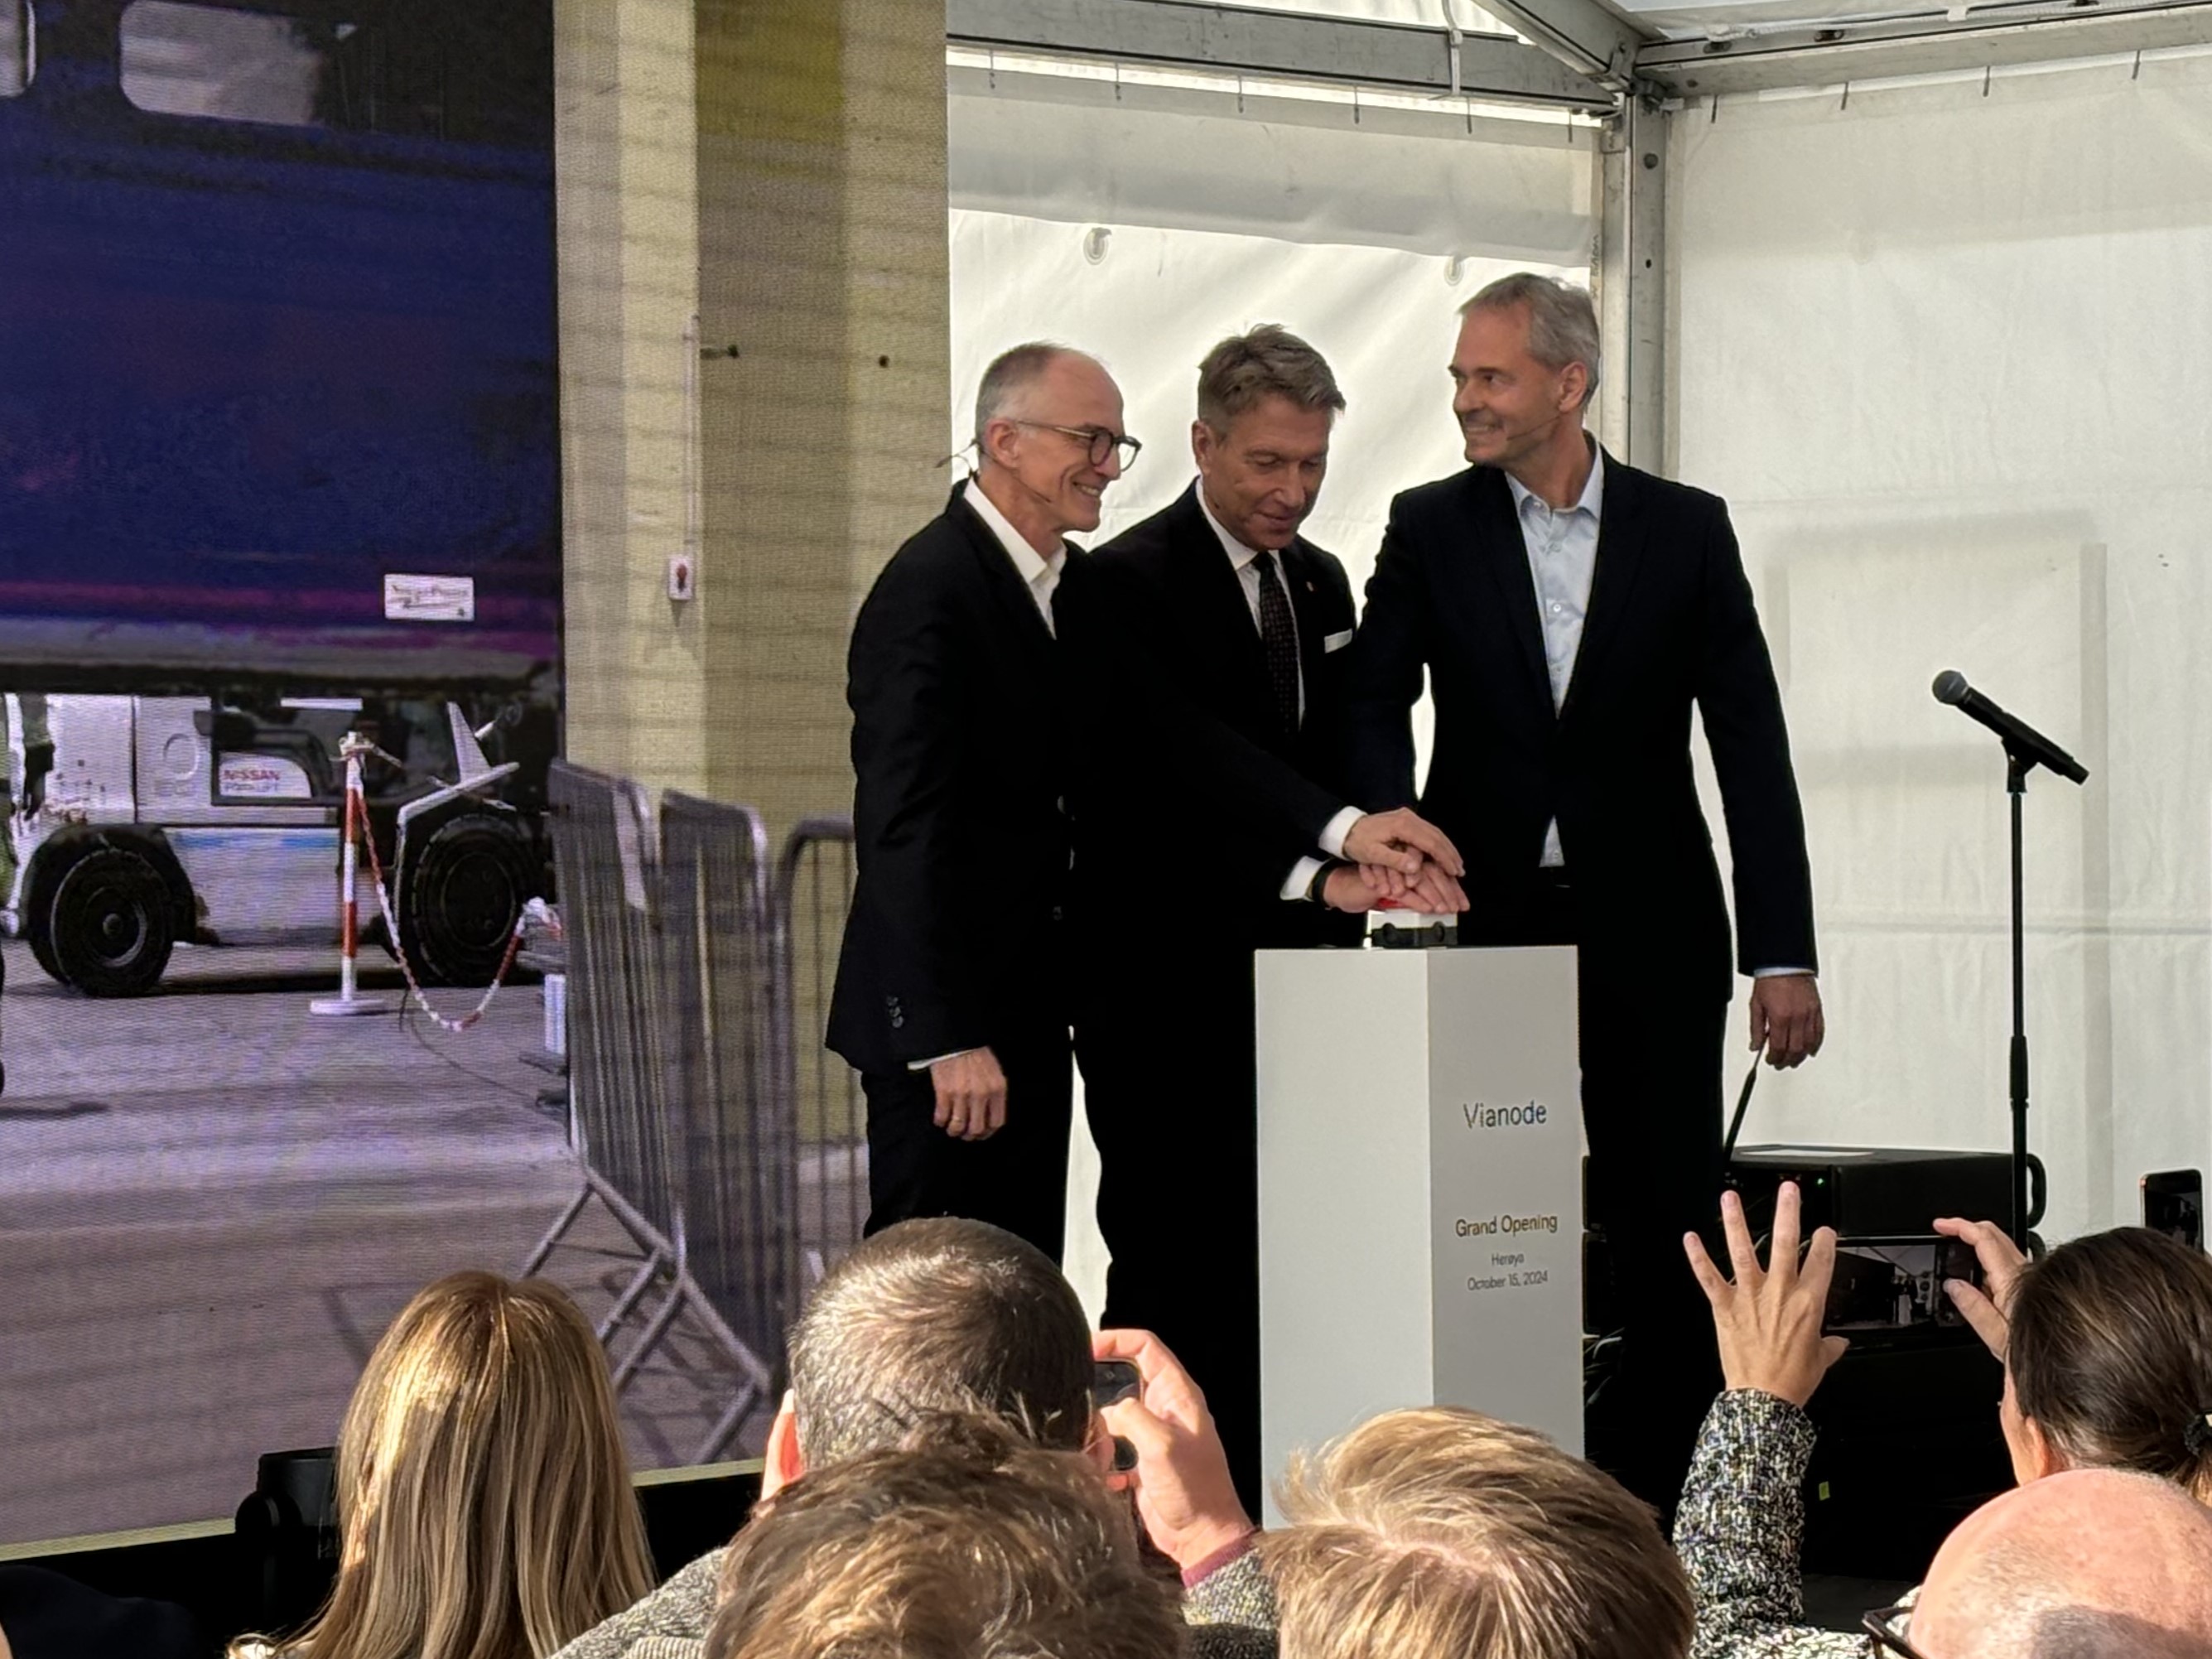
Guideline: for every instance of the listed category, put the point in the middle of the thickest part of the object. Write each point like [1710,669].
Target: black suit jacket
[1670,624]
[962,737]
[1182,724]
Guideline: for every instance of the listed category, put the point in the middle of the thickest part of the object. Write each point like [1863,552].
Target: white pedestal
[1420,1189]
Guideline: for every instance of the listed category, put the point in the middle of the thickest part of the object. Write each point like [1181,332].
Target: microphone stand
[2026,748]
[2028,1181]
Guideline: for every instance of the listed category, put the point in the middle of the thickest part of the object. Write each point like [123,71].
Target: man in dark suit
[1569,610]
[952,994]
[1240,624]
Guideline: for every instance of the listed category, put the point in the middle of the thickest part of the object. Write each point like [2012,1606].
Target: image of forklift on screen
[1897,1283]
[280,501]
[279,460]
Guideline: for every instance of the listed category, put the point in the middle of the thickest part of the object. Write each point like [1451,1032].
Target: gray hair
[1012,373]
[1562,321]
[1266,362]
[939,1315]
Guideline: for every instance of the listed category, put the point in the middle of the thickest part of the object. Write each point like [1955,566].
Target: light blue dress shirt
[1562,547]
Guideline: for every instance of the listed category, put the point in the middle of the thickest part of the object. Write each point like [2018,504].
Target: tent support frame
[1629,269]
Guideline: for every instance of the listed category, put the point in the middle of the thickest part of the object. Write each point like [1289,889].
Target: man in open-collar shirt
[952,996]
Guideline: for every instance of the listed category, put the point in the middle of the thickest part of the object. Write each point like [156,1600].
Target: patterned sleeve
[680,1610]
[1236,1592]
[1741,1519]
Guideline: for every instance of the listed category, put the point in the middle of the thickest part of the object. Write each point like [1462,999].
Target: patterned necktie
[1279,638]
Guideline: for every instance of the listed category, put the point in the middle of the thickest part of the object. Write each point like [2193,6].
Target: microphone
[2021,739]
[1532,429]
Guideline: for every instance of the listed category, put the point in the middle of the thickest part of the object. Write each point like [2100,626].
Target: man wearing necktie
[1239,624]
[1568,612]
[952,998]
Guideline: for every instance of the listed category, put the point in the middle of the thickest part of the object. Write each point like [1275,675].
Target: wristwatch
[1317,889]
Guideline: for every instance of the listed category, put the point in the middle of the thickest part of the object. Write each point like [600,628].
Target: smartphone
[1891,1283]
[2173,1204]
[1113,1380]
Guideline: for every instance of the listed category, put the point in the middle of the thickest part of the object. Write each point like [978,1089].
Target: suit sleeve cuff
[1334,832]
[924,1065]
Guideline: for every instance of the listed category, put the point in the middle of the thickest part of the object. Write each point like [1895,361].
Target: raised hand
[1184,1495]
[1768,1320]
[1988,1309]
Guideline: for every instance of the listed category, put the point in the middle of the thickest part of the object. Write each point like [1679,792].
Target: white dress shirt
[1562,547]
[1040,572]
[1245,561]
[1042,575]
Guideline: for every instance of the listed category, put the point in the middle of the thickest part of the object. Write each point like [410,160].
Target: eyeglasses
[1881,1626]
[1102,443]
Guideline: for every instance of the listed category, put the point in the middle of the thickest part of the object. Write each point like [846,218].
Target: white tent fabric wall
[1158,297]
[1948,351]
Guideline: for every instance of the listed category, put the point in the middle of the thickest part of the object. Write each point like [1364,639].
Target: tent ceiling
[1668,47]
[1384,53]
[1703,19]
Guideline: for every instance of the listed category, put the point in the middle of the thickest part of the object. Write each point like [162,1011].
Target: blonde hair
[1437,1533]
[960,1539]
[485,1509]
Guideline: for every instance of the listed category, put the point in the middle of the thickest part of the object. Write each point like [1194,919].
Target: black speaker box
[1873,1192]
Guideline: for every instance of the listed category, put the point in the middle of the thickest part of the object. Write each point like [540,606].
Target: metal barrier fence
[738,1145]
[641,996]
[821,1095]
[606,868]
[709,1120]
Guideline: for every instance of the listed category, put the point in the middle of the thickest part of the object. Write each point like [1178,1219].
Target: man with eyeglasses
[1239,624]
[952,997]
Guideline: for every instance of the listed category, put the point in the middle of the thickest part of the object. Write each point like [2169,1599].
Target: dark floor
[1838,1603]
[211,1203]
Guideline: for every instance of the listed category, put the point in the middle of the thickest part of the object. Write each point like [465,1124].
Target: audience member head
[1437,1533]
[2109,1360]
[962,1540]
[932,1315]
[2091,1563]
[485,1509]
[1048,439]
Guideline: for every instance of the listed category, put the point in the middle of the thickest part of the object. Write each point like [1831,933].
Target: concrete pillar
[628,205]
[823,298]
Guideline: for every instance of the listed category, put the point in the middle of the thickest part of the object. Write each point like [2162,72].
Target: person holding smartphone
[2107,1349]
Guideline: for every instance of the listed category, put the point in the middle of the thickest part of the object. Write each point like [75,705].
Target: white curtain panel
[1946,349]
